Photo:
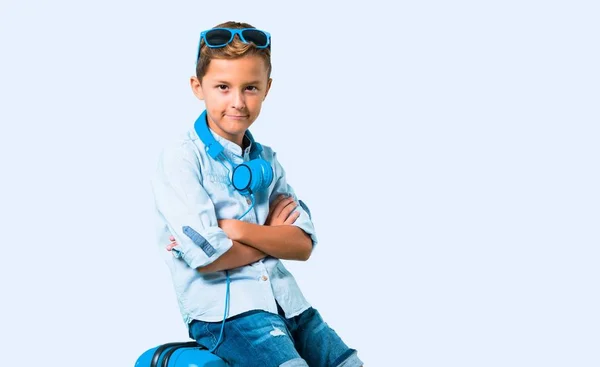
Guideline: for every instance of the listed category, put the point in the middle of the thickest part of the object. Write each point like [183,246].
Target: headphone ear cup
[267,172]
[262,174]
[252,176]
[242,178]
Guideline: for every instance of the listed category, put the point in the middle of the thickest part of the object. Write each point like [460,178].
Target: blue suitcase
[181,354]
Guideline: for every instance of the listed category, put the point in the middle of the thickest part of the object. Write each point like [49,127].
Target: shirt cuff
[305,223]
[208,245]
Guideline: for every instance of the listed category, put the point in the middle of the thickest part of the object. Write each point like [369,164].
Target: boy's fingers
[292,218]
[277,201]
[288,209]
[282,205]
[283,198]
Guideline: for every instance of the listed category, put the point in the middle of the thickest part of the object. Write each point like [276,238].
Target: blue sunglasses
[220,37]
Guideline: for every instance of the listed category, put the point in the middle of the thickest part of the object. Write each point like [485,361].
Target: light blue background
[474,125]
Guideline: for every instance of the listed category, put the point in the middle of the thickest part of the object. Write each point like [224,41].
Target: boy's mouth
[237,117]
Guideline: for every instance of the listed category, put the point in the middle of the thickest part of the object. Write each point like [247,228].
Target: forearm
[238,255]
[283,242]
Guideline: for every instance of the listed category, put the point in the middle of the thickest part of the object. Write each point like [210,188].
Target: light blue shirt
[191,192]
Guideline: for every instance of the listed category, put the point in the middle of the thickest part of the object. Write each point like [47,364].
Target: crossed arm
[252,242]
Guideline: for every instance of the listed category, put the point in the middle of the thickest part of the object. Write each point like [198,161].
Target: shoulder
[180,150]
[270,155]
[267,152]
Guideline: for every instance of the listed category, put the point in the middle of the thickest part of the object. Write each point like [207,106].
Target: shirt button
[248,201]
[264,278]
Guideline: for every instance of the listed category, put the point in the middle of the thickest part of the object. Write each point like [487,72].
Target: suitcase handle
[174,346]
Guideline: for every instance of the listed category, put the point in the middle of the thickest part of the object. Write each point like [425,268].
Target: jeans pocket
[209,335]
[200,331]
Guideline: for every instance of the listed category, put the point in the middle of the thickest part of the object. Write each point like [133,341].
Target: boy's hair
[234,50]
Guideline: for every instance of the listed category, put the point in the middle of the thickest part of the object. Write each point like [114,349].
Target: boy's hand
[280,209]
[231,227]
[172,244]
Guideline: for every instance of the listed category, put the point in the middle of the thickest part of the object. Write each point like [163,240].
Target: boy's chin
[234,127]
[236,131]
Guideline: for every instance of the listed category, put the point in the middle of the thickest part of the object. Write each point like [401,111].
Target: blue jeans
[263,339]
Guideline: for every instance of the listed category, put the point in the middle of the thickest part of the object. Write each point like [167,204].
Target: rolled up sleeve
[304,221]
[187,211]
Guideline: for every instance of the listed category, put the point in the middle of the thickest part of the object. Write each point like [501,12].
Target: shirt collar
[229,146]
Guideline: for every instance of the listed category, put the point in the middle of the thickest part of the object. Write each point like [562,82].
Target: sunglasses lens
[217,37]
[259,38]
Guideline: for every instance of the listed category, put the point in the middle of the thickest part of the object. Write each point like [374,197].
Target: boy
[224,202]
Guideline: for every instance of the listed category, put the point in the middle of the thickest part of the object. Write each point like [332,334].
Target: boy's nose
[238,101]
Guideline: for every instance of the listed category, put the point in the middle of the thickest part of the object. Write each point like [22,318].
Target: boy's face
[233,92]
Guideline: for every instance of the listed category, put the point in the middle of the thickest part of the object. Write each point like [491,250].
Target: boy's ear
[268,88]
[197,87]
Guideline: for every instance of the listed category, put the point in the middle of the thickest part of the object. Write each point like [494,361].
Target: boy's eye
[222,87]
[251,88]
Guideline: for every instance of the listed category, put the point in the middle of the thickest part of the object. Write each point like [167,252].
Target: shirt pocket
[216,179]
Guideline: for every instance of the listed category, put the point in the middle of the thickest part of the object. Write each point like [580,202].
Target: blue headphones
[248,177]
